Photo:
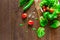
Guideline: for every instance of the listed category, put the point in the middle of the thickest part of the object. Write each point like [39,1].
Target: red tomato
[30,22]
[44,8]
[24,15]
[51,10]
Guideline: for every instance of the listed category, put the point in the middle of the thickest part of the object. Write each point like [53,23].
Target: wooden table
[10,19]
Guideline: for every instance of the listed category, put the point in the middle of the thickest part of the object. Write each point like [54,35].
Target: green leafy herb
[33,29]
[36,18]
[40,32]
[52,16]
[45,15]
[55,24]
[49,3]
[43,21]
[21,25]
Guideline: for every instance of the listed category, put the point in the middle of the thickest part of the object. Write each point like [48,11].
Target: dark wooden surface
[10,19]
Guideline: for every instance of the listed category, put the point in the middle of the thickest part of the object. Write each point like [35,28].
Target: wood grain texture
[7,19]
[10,18]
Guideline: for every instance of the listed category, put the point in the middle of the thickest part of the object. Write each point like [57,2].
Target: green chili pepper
[40,32]
[22,2]
[43,21]
[28,5]
[55,24]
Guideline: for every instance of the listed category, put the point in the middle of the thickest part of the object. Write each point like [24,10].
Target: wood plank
[10,18]
[7,19]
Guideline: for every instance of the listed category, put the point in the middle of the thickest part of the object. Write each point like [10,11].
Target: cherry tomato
[44,8]
[30,22]
[24,15]
[51,10]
